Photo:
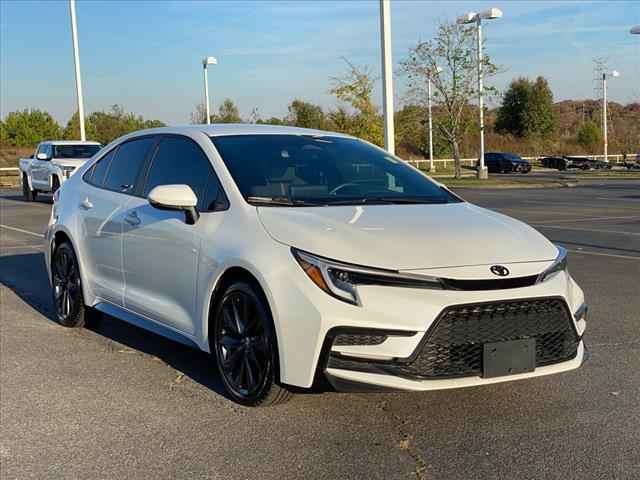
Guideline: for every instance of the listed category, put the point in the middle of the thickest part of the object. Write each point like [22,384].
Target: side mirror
[43,156]
[176,197]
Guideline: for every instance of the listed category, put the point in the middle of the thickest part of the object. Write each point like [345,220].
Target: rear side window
[179,160]
[98,171]
[127,164]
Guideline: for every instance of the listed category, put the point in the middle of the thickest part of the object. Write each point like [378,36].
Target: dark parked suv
[498,162]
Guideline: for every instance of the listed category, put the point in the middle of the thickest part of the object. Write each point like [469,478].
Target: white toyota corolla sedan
[295,255]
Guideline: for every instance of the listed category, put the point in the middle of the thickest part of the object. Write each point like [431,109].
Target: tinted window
[179,160]
[322,170]
[98,171]
[126,166]
[75,151]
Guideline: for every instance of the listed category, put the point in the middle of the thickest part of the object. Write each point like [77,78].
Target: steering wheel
[343,186]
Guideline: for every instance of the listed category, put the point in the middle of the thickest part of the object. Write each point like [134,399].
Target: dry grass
[9,156]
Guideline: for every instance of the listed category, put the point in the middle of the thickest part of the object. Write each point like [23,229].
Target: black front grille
[453,345]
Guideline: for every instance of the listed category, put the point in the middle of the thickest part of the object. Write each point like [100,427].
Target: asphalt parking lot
[117,402]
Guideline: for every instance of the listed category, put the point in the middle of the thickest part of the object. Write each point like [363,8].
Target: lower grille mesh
[453,346]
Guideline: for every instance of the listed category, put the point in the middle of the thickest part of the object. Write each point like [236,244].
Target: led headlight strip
[340,279]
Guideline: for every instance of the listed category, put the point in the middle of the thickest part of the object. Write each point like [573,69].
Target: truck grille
[453,345]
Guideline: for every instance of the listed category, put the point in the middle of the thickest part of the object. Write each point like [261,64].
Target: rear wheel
[245,347]
[68,300]
[29,195]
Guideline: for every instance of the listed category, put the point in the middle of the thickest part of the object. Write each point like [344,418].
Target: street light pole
[482,170]
[432,167]
[76,59]
[207,61]
[613,73]
[477,18]
[387,75]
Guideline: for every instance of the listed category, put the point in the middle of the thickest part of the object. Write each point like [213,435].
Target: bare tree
[454,51]
[199,115]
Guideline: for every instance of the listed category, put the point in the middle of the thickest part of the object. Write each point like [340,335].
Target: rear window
[75,151]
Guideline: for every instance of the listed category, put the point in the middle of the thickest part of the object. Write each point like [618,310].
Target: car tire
[55,184]
[244,344]
[29,195]
[68,300]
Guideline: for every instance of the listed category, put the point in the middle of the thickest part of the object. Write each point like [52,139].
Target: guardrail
[9,176]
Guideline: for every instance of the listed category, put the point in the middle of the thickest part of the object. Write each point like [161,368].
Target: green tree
[527,109]
[227,113]
[412,130]
[72,130]
[117,122]
[306,115]
[28,127]
[271,121]
[589,135]
[355,87]
[454,51]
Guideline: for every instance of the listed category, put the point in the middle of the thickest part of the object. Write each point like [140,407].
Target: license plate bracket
[508,358]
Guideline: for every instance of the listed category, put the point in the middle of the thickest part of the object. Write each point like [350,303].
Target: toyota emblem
[499,270]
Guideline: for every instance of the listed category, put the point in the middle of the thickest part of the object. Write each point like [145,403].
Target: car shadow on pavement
[45,199]
[26,276]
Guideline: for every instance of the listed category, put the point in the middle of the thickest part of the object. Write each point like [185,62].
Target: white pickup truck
[52,163]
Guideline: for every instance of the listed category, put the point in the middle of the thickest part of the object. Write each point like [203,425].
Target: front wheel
[29,195]
[245,347]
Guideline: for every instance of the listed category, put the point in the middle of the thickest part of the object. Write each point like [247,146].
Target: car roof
[71,142]
[225,129]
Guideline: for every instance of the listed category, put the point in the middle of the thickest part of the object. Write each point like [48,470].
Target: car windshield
[513,157]
[304,170]
[75,151]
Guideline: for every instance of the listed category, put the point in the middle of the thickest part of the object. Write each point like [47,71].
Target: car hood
[407,237]
[69,162]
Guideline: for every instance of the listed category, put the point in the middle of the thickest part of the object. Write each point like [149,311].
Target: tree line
[527,120]
[26,128]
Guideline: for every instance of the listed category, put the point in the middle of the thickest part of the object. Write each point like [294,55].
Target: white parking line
[27,232]
[628,257]
[635,234]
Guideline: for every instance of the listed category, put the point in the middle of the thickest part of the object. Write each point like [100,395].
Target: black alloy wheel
[245,347]
[67,287]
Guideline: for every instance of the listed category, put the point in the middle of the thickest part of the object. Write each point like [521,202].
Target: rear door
[107,190]
[162,252]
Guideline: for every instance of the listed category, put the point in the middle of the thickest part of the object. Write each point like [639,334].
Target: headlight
[340,280]
[68,171]
[559,265]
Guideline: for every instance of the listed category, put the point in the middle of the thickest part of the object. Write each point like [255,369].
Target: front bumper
[355,381]
[450,353]
[304,316]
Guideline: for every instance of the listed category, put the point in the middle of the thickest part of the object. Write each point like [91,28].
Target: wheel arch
[231,274]
[59,236]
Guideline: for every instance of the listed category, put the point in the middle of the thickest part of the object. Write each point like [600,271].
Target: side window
[49,151]
[97,173]
[127,164]
[179,160]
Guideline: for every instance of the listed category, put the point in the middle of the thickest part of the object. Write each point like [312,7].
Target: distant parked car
[585,163]
[558,162]
[633,165]
[500,162]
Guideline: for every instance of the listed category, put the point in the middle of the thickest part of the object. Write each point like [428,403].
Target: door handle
[132,219]
[86,204]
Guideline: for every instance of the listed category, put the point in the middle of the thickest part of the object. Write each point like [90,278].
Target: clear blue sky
[146,55]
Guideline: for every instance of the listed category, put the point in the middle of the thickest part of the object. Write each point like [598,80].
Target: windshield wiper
[385,200]
[279,202]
